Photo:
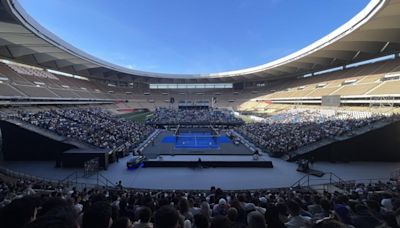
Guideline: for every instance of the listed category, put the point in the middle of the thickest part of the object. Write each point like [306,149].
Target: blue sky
[191,36]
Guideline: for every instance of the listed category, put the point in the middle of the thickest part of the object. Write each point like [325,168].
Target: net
[196,141]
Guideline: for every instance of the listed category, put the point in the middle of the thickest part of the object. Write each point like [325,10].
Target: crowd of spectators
[193,116]
[295,128]
[31,204]
[93,126]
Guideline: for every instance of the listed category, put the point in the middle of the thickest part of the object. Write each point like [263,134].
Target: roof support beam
[384,47]
[5,52]
[356,55]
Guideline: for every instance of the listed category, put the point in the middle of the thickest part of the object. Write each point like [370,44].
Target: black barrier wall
[210,164]
[20,144]
[382,144]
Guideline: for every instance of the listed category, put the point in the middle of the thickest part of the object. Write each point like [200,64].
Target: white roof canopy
[373,32]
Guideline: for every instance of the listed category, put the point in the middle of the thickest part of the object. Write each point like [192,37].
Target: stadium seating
[93,126]
[364,80]
[35,90]
[8,91]
[292,129]
[32,72]
[12,75]
[387,88]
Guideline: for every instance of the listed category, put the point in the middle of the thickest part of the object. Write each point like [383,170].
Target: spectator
[220,221]
[166,217]
[200,221]
[183,206]
[386,202]
[123,222]
[220,208]
[59,216]
[232,215]
[98,215]
[295,219]
[144,216]
[326,210]
[256,220]
[125,211]
[272,217]
[363,218]
[18,213]
[330,223]
[205,210]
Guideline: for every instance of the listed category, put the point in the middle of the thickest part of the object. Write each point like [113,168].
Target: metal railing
[103,181]
[71,178]
[308,180]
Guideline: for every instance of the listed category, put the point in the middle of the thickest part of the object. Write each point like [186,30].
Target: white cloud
[130,66]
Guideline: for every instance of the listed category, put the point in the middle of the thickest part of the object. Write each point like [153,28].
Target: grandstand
[355,85]
[371,80]
[333,105]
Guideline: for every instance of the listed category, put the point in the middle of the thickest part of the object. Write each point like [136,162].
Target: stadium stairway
[331,188]
[330,182]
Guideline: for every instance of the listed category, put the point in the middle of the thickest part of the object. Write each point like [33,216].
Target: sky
[191,36]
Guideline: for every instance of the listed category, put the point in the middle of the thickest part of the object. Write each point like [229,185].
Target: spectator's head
[220,222]
[330,223]
[205,209]
[222,202]
[341,199]
[166,217]
[144,214]
[282,209]
[123,204]
[122,222]
[232,214]
[249,207]
[343,213]
[98,198]
[373,206]
[272,216]
[293,208]
[97,215]
[183,205]
[325,205]
[242,197]
[52,204]
[256,220]
[18,213]
[201,221]
[360,209]
[60,217]
[263,202]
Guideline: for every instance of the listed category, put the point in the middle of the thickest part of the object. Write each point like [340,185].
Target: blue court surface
[196,141]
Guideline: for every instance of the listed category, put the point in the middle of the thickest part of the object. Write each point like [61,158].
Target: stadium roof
[373,32]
